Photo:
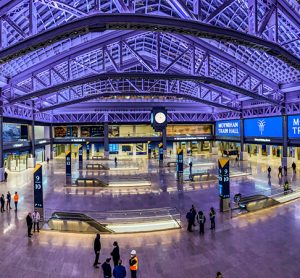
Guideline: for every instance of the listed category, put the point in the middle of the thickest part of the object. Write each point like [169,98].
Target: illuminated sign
[228,128]
[179,165]
[42,142]
[224,181]
[38,187]
[294,126]
[190,138]
[262,140]
[17,145]
[77,140]
[263,127]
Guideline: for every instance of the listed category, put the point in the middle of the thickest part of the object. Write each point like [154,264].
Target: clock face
[160,117]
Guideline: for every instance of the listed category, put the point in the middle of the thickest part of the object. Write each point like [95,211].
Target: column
[106,140]
[164,140]
[285,160]
[134,149]
[51,141]
[1,139]
[243,153]
[31,160]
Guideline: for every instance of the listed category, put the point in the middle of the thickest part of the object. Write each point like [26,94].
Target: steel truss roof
[220,53]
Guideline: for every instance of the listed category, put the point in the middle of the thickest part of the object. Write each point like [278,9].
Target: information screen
[263,127]
[294,126]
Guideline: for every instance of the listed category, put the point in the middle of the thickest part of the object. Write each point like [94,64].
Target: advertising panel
[186,130]
[294,126]
[263,127]
[228,128]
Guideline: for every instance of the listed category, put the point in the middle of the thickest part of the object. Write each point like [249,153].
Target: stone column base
[244,156]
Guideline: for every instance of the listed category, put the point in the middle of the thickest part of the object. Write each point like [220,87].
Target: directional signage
[161,152]
[38,187]
[224,182]
[88,150]
[80,153]
[68,164]
[179,165]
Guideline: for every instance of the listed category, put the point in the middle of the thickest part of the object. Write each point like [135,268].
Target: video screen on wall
[11,132]
[263,127]
[114,131]
[92,131]
[66,131]
[177,130]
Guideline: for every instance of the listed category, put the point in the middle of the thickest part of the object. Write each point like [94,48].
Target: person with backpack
[201,220]
[212,217]
[189,217]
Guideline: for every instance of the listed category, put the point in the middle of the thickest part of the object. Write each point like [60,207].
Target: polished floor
[262,244]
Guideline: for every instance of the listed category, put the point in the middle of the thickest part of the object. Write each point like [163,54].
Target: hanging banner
[224,183]
[179,166]
[87,150]
[68,164]
[161,152]
[38,189]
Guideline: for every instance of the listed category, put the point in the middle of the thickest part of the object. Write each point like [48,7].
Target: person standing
[36,220]
[106,268]
[294,166]
[116,161]
[285,170]
[279,171]
[29,224]
[5,176]
[201,220]
[8,198]
[194,212]
[212,217]
[133,264]
[2,201]
[269,171]
[189,217]
[119,270]
[115,253]
[191,167]
[97,248]
[16,200]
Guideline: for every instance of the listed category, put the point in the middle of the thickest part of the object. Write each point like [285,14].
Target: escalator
[76,222]
[256,202]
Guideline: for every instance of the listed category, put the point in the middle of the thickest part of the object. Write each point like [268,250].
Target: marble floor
[260,244]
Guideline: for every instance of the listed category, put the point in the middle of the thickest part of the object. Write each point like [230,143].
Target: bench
[192,176]
[96,167]
[89,182]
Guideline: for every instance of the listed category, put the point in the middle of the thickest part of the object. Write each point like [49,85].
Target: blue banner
[228,128]
[263,127]
[294,126]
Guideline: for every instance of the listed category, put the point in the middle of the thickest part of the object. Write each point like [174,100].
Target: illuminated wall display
[263,127]
[294,126]
[228,128]
[188,130]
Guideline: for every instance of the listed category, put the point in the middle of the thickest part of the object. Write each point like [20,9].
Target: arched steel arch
[102,95]
[102,22]
[142,75]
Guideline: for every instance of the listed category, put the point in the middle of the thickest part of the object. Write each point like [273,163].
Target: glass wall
[16,162]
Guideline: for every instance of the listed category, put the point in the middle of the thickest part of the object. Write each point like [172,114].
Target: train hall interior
[171,128]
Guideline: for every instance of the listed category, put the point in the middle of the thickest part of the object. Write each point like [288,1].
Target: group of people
[192,216]
[6,202]
[33,220]
[284,168]
[118,271]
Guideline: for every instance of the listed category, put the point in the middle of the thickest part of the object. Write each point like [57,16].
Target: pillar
[31,160]
[106,140]
[1,139]
[243,153]
[285,159]
[51,141]
[164,140]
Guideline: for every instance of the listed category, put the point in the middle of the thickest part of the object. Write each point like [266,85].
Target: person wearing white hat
[133,263]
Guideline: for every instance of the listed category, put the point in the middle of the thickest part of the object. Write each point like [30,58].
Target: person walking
[194,212]
[5,176]
[29,224]
[36,220]
[285,170]
[189,217]
[16,200]
[106,268]
[115,253]
[212,217]
[8,199]
[97,248]
[269,171]
[119,270]
[191,167]
[133,264]
[294,166]
[279,171]
[2,201]
[201,220]
[116,161]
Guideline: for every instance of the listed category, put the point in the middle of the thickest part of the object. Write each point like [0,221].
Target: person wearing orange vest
[133,262]
[16,200]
